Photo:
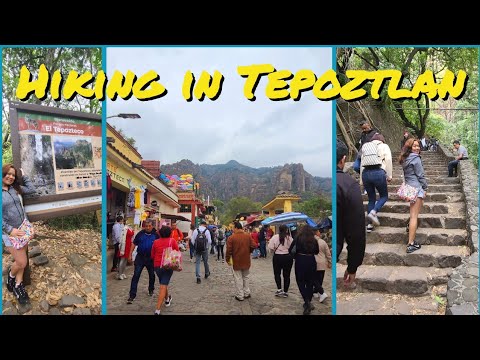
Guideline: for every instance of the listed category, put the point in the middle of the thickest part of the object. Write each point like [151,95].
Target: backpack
[370,155]
[220,235]
[201,241]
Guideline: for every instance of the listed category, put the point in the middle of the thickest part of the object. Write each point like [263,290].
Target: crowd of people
[374,163]
[306,250]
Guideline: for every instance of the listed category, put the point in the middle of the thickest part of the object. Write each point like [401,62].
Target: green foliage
[436,126]
[81,60]
[318,207]
[237,205]
[7,157]
[75,222]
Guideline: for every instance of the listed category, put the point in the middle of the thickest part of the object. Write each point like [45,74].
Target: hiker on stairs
[414,175]
[376,171]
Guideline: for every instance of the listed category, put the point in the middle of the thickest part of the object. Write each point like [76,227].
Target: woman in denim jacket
[13,216]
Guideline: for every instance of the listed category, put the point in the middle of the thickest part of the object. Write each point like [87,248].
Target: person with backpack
[377,170]
[220,244]
[262,241]
[201,241]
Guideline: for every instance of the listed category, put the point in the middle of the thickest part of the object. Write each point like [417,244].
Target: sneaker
[223,260]
[10,281]
[370,228]
[413,247]
[157,312]
[278,292]
[207,275]
[124,276]
[373,218]
[130,300]
[168,301]
[322,297]
[306,309]
[283,294]
[150,292]
[21,294]
[199,281]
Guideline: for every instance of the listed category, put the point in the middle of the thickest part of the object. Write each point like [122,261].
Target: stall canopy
[288,218]
[175,217]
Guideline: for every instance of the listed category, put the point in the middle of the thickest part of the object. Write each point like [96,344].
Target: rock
[54,311]
[77,260]
[464,309]
[70,300]
[36,251]
[80,311]
[403,308]
[44,306]
[10,311]
[22,309]
[40,260]
[470,295]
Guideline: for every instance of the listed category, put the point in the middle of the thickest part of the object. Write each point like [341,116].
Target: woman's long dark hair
[282,233]
[407,149]
[16,182]
[306,237]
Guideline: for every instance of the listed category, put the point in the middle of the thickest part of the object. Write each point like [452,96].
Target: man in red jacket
[239,247]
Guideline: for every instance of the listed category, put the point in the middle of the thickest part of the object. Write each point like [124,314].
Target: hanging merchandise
[109,187]
[142,196]
[137,198]
[131,198]
[136,219]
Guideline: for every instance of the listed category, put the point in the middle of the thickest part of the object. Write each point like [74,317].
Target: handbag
[172,259]
[20,241]
[407,192]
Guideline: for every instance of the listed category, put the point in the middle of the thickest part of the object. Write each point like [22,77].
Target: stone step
[454,188]
[431,197]
[431,180]
[426,166]
[444,221]
[424,236]
[410,280]
[381,254]
[428,173]
[373,303]
[404,207]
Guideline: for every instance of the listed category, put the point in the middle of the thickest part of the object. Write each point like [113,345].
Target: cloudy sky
[259,133]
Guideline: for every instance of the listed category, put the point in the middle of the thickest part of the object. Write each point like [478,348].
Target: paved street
[214,296]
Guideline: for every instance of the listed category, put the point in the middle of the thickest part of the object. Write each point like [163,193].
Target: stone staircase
[390,281]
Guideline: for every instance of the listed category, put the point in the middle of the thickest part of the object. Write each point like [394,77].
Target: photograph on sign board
[52,188]
[255,172]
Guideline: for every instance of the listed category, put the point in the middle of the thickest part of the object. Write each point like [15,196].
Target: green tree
[317,207]
[237,205]
[65,60]
[414,113]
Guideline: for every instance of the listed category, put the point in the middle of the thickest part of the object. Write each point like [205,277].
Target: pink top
[274,244]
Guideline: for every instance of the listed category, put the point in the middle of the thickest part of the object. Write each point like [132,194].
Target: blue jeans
[263,248]
[142,261]
[452,165]
[198,257]
[375,179]
[356,165]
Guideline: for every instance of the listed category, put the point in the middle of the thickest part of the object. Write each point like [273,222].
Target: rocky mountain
[225,181]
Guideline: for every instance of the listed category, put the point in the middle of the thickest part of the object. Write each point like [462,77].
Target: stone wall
[462,288]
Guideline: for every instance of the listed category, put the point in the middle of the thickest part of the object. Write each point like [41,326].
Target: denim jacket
[413,172]
[13,212]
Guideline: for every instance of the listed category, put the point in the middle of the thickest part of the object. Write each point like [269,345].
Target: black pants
[282,263]
[305,270]
[115,256]
[220,248]
[317,285]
